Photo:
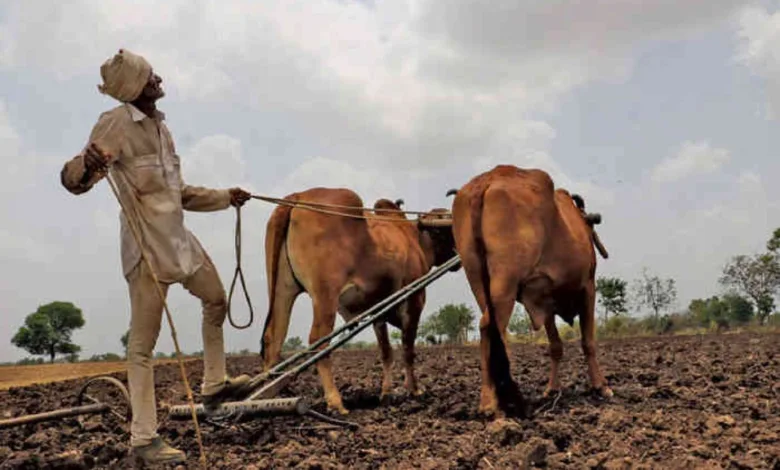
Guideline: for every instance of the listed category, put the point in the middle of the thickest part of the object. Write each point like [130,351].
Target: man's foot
[158,451]
[234,388]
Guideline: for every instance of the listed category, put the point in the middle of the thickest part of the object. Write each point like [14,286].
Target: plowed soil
[680,402]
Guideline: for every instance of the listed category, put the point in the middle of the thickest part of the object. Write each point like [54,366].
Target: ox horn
[452,192]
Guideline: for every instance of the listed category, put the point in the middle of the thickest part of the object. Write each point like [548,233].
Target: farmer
[134,139]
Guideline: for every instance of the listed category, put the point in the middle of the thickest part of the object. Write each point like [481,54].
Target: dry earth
[680,402]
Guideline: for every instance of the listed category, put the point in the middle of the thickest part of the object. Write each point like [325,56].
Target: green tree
[740,310]
[293,344]
[455,322]
[729,310]
[395,336]
[708,311]
[655,293]
[612,296]
[773,245]
[757,277]
[47,332]
[519,323]
[125,339]
[429,330]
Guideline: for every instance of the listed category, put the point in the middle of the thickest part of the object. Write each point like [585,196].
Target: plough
[94,407]
[261,400]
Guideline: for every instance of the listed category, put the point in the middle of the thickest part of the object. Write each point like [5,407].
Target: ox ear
[452,192]
[399,202]
[593,218]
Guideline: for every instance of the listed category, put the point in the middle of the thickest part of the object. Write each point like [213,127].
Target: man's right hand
[95,159]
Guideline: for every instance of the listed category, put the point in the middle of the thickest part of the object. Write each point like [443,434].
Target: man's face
[153,91]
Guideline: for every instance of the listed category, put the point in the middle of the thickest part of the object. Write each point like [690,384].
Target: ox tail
[507,391]
[275,236]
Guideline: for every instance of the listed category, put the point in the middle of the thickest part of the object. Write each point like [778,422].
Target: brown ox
[521,240]
[347,265]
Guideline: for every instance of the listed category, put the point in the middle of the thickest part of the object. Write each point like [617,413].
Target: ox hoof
[339,409]
[490,411]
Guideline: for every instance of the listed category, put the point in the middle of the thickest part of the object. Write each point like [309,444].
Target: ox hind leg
[285,293]
[325,308]
[535,299]
[589,348]
[503,292]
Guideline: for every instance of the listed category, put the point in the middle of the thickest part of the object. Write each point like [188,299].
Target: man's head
[129,77]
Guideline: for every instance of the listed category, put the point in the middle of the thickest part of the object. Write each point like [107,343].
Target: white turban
[124,76]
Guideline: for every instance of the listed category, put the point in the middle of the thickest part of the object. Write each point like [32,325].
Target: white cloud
[419,83]
[215,160]
[759,34]
[692,158]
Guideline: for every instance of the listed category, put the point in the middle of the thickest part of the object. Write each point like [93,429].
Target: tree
[612,295]
[293,344]
[47,331]
[757,277]
[740,311]
[519,323]
[729,310]
[395,337]
[655,293]
[455,322]
[429,330]
[773,245]
[125,339]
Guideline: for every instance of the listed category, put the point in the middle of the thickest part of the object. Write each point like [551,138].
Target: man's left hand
[238,197]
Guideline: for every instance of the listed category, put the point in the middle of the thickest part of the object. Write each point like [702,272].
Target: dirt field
[681,402]
[20,376]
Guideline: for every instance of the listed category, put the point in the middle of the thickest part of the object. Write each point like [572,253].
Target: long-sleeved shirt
[147,172]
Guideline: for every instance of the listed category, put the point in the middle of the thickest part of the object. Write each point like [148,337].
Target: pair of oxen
[519,240]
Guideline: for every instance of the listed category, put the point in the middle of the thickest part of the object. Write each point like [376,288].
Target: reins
[239,274]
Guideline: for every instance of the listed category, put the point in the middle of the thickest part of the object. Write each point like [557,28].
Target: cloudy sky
[662,114]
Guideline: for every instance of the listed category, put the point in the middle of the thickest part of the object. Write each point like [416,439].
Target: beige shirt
[147,172]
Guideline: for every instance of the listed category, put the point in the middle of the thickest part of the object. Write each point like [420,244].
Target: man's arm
[75,176]
[197,198]
[82,172]
[200,199]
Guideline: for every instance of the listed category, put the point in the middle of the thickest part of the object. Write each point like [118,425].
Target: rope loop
[239,275]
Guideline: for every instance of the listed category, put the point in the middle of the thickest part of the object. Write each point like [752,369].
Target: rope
[322,205]
[239,274]
[319,207]
[138,240]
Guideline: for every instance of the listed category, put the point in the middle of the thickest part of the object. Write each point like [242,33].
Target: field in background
[21,376]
